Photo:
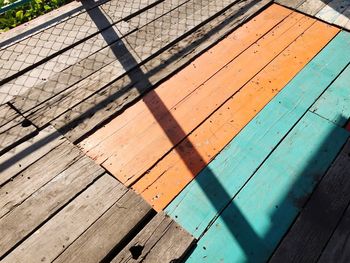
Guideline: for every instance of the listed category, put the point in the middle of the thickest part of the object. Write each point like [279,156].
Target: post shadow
[140,80]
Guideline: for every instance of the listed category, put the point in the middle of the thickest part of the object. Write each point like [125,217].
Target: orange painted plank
[136,156]
[132,157]
[138,117]
[173,173]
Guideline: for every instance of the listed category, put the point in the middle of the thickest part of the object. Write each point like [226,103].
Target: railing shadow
[250,238]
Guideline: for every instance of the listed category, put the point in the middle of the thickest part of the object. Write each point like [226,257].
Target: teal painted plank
[251,226]
[198,204]
[336,100]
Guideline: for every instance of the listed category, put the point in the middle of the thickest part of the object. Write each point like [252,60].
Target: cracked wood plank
[161,240]
[27,215]
[314,226]
[93,111]
[52,238]
[108,231]
[13,128]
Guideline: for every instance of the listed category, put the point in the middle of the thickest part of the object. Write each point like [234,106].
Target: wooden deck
[336,12]
[176,130]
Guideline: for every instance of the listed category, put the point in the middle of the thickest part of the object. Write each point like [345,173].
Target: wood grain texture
[45,21]
[34,177]
[26,216]
[28,52]
[130,162]
[337,249]
[49,79]
[290,3]
[28,152]
[90,113]
[196,206]
[13,128]
[146,42]
[332,10]
[51,239]
[108,231]
[334,104]
[256,219]
[228,120]
[314,226]
[199,71]
[161,240]
[312,7]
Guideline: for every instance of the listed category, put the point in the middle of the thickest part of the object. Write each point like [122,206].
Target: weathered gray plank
[26,153]
[61,72]
[314,226]
[88,114]
[37,208]
[332,10]
[343,20]
[126,59]
[161,240]
[312,7]
[37,175]
[51,239]
[13,127]
[108,231]
[45,21]
[338,247]
[51,41]
[290,3]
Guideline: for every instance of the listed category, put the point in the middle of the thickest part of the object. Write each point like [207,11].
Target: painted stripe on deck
[194,75]
[336,100]
[251,226]
[199,202]
[136,156]
[164,182]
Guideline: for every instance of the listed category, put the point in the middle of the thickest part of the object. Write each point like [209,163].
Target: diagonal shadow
[139,80]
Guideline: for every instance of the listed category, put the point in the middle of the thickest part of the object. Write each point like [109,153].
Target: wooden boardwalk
[336,12]
[176,130]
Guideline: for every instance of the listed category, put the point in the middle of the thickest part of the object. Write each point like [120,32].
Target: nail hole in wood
[26,123]
[136,251]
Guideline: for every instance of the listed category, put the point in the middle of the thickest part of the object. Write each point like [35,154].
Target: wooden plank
[199,71]
[198,204]
[161,240]
[337,249]
[34,177]
[332,10]
[28,152]
[30,51]
[113,99]
[124,59]
[228,120]
[51,239]
[175,20]
[28,215]
[115,95]
[108,231]
[252,225]
[312,7]
[13,128]
[334,104]
[290,3]
[314,226]
[343,20]
[61,72]
[45,21]
[128,163]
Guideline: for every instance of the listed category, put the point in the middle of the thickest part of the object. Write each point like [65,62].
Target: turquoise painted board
[200,202]
[251,226]
[336,100]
